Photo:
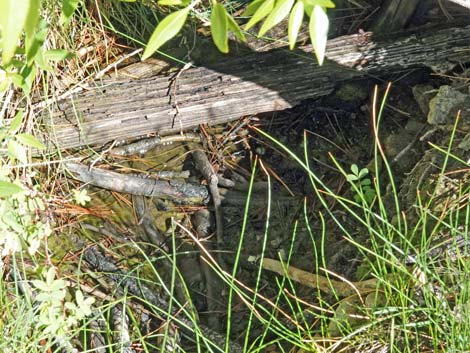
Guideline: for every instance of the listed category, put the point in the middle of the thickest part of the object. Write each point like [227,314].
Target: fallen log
[231,88]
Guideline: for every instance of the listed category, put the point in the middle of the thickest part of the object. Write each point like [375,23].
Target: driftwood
[254,83]
[175,190]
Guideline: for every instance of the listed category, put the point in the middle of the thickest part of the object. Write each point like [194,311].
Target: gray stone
[422,95]
[444,106]
[465,143]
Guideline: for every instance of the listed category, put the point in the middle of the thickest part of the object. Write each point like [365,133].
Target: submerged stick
[101,263]
[325,284]
[205,168]
[174,190]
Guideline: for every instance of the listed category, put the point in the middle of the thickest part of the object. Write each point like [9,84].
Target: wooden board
[238,86]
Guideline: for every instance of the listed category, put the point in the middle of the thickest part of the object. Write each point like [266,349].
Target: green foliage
[13,15]
[20,226]
[55,315]
[279,12]
[361,185]
[23,32]
[272,12]
[318,27]
[17,143]
[295,22]
[8,188]
[68,8]
[263,10]
[166,30]
[20,204]
[219,26]
[235,28]
[81,197]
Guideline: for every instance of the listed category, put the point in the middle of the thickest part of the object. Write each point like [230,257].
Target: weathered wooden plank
[255,83]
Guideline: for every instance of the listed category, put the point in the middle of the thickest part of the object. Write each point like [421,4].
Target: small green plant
[361,185]
[271,11]
[56,315]
[21,205]
[81,197]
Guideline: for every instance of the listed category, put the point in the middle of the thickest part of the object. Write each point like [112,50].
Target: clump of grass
[421,295]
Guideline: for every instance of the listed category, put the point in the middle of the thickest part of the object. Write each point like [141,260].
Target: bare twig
[325,284]
[145,145]
[147,224]
[205,168]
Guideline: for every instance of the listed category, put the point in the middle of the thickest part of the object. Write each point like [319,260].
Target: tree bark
[231,88]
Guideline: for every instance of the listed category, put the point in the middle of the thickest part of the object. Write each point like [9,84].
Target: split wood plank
[251,84]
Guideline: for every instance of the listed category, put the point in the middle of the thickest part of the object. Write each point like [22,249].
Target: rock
[396,142]
[465,143]
[422,95]
[398,151]
[444,106]
[413,126]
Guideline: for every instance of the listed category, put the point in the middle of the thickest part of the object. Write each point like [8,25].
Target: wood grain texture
[234,87]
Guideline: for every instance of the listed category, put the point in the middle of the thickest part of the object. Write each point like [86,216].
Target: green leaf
[17,79]
[29,75]
[264,10]
[235,28]
[251,9]
[8,189]
[355,169]
[366,182]
[16,122]
[17,151]
[81,197]
[41,285]
[32,18]
[219,27]
[30,140]
[169,2]
[41,62]
[57,286]
[295,22]
[50,276]
[33,44]
[363,172]
[13,14]
[167,29]
[351,177]
[68,8]
[318,27]
[279,12]
[11,219]
[57,54]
